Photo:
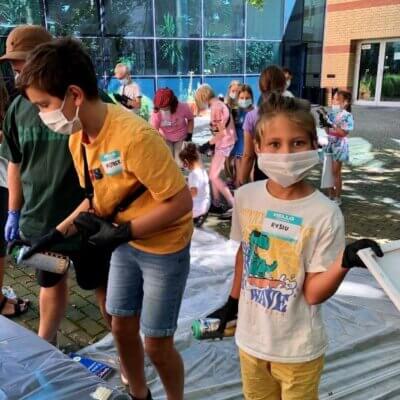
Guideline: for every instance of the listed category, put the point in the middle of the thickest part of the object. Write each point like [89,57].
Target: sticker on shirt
[111,162]
[283,226]
[165,123]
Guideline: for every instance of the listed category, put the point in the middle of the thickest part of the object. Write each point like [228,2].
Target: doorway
[377,74]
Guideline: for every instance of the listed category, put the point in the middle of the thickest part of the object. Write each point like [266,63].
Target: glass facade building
[181,43]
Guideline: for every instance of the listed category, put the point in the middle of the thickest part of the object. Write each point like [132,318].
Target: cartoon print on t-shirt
[271,260]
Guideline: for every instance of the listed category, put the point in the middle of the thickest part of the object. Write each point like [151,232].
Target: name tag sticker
[283,226]
[111,162]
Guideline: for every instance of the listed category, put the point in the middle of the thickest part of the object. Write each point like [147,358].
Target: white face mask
[233,95]
[123,82]
[165,114]
[16,75]
[57,121]
[288,83]
[287,169]
[336,107]
[244,103]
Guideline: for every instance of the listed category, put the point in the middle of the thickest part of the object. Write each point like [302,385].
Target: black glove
[350,257]
[207,149]
[45,243]
[323,118]
[189,137]
[228,312]
[102,233]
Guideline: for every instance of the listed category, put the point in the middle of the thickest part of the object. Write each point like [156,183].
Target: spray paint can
[46,261]
[207,328]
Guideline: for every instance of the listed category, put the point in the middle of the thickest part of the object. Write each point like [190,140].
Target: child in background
[232,93]
[173,119]
[198,183]
[224,138]
[245,104]
[288,76]
[292,256]
[342,122]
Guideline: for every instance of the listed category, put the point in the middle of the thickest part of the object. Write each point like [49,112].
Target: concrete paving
[371,205]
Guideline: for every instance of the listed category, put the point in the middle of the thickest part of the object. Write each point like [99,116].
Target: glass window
[137,54]
[220,83]
[183,87]
[253,82]
[261,54]
[146,86]
[294,20]
[295,59]
[129,17]
[391,73]
[72,17]
[265,23]
[13,12]
[94,47]
[289,7]
[180,18]
[313,22]
[314,57]
[223,57]
[224,18]
[178,57]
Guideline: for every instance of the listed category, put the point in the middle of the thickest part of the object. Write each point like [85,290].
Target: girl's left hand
[350,257]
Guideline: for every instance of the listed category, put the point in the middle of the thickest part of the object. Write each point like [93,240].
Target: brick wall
[347,22]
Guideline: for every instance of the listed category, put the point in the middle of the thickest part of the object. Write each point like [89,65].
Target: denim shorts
[149,285]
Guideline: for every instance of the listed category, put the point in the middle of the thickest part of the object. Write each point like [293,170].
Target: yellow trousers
[264,380]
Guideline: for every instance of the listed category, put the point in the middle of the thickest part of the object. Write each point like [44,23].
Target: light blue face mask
[244,103]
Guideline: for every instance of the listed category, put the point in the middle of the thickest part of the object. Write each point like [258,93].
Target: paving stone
[68,326]
[91,327]
[74,314]
[91,311]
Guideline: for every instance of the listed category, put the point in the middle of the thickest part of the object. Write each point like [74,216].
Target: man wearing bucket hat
[43,188]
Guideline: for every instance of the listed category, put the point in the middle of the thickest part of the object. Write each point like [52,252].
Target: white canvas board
[386,269]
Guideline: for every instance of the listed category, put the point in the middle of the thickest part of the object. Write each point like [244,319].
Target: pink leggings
[217,184]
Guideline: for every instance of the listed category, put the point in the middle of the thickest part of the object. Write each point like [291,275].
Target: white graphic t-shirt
[281,241]
[198,179]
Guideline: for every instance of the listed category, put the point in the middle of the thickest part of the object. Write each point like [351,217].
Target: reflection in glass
[72,17]
[137,54]
[223,57]
[183,87]
[261,54]
[391,73]
[178,57]
[368,71]
[224,18]
[257,25]
[94,48]
[129,17]
[314,57]
[313,20]
[14,13]
[179,18]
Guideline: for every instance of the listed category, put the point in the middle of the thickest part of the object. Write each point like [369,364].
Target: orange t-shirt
[126,152]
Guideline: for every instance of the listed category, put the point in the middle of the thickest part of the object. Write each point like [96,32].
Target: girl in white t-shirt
[292,257]
[198,183]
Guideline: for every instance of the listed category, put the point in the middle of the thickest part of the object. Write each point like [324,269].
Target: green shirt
[50,184]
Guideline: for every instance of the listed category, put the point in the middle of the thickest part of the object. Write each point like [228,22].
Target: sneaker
[216,210]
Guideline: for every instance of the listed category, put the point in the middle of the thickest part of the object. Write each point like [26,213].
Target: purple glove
[11,230]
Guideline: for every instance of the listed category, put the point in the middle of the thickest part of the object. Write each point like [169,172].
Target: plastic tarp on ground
[32,369]
[363,360]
